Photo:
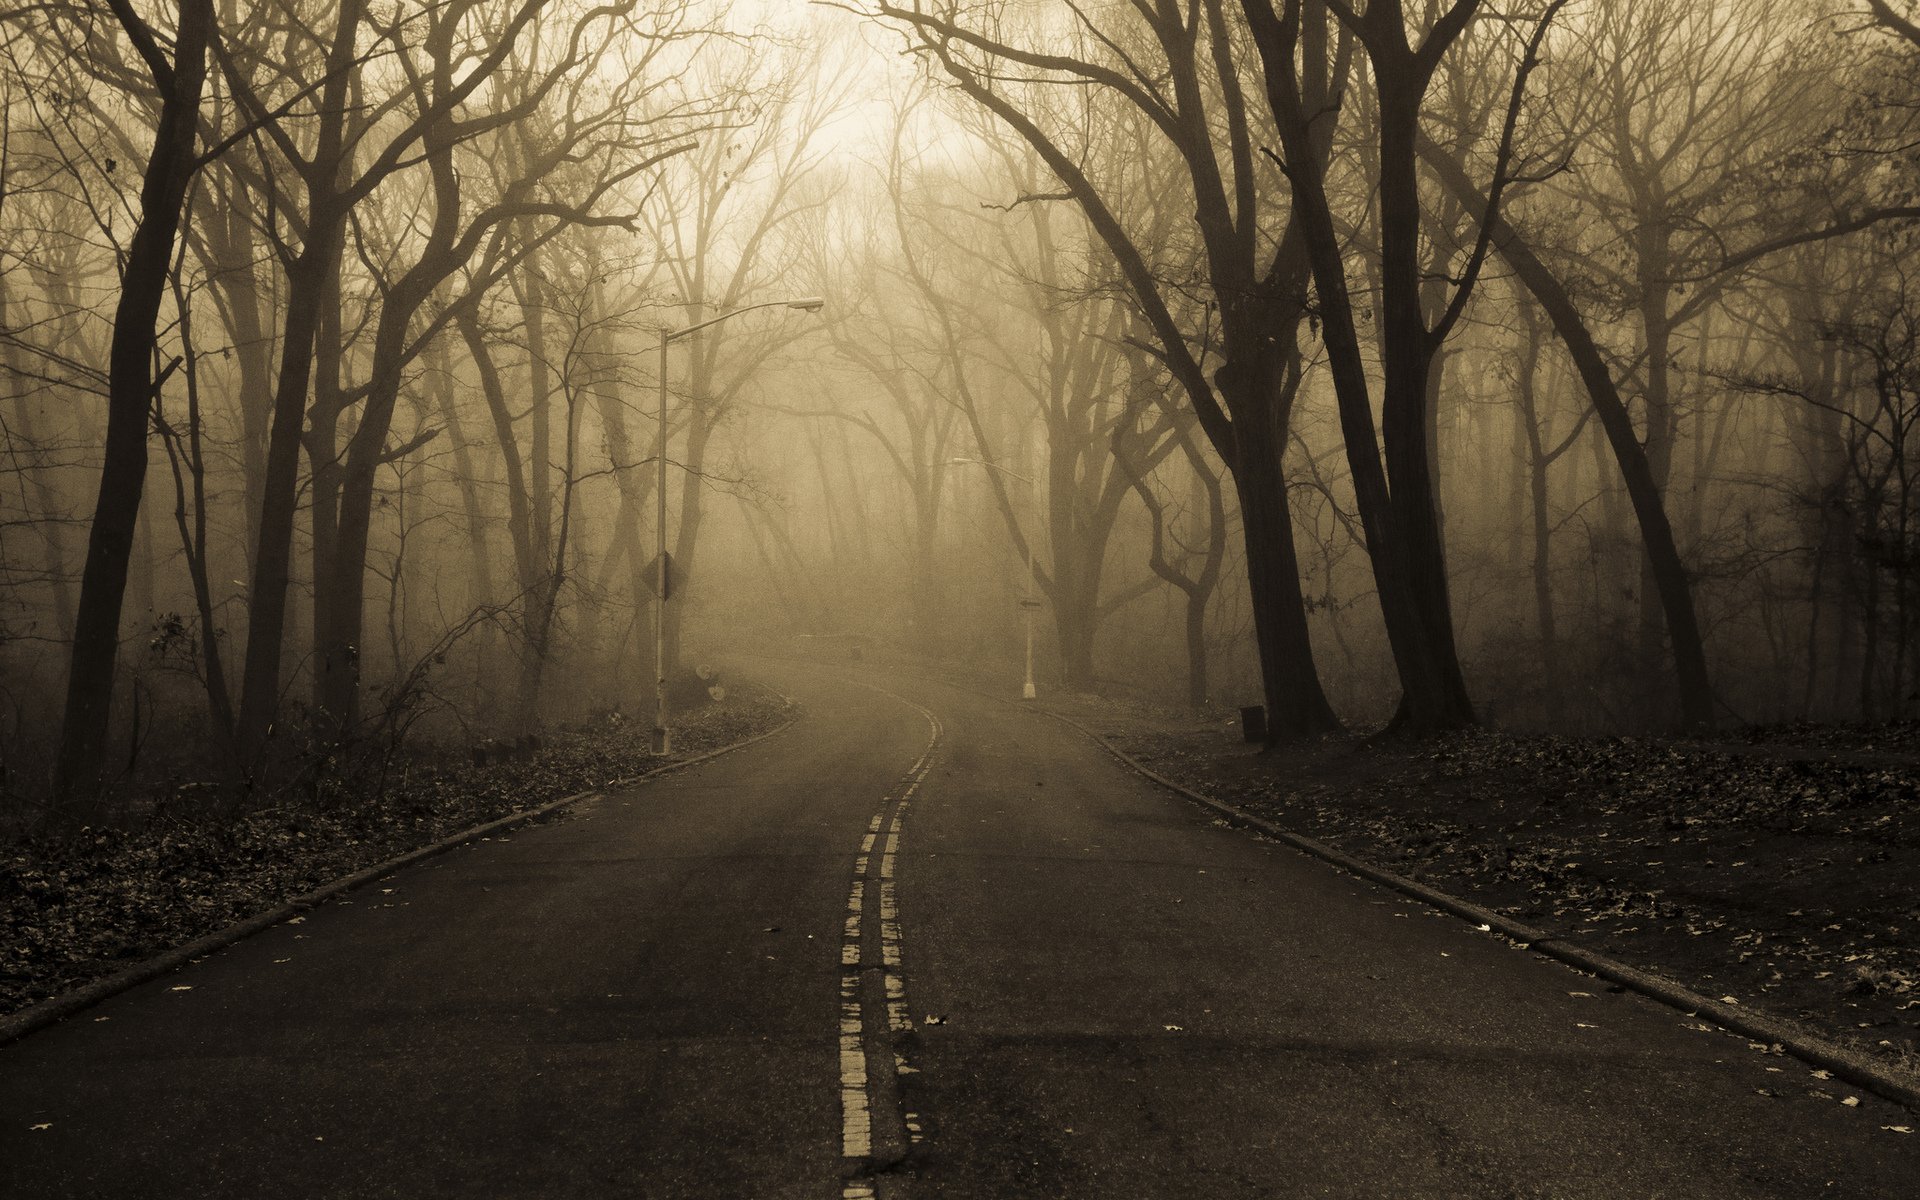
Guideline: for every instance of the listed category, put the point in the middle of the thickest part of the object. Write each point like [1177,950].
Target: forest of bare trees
[1404,364]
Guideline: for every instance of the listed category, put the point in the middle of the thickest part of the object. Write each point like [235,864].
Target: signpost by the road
[661,575]
[662,565]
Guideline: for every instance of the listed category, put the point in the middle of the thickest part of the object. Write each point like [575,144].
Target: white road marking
[857,1092]
[856,1122]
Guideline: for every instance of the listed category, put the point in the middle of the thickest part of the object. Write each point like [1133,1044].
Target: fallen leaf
[1851,1101]
[42,1125]
[1898,1128]
[1173,1029]
[182,987]
[1822,1074]
[933,1019]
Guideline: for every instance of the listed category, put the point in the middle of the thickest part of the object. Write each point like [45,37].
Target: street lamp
[662,741]
[1027,602]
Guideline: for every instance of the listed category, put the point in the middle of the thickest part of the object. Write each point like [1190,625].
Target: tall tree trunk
[188,459]
[336,667]
[686,540]
[926,594]
[229,244]
[310,279]
[1395,496]
[1537,462]
[1434,691]
[1660,421]
[633,480]
[1261,401]
[439,383]
[130,388]
[35,474]
[1670,580]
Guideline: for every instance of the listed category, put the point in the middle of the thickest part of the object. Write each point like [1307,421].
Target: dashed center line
[875,1130]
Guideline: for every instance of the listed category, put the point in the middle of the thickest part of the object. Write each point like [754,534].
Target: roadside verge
[1846,1064]
[57,1008]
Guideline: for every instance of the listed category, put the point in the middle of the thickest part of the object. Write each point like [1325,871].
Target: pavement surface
[922,944]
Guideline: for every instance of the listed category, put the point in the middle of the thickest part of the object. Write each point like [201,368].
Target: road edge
[55,1009]
[1848,1065]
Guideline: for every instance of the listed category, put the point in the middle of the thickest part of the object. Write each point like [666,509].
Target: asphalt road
[922,944]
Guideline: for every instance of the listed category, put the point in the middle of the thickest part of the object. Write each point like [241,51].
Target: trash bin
[1253,723]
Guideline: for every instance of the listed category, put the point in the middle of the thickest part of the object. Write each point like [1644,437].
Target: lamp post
[1027,602]
[662,742]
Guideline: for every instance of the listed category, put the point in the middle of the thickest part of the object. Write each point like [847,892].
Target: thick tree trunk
[1296,704]
[1395,497]
[1196,622]
[130,387]
[1434,693]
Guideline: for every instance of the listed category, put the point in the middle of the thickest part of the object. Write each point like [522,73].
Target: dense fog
[1551,368]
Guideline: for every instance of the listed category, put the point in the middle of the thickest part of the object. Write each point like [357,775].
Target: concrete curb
[1855,1068]
[57,1008]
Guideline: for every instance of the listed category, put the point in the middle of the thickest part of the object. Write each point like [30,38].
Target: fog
[1551,370]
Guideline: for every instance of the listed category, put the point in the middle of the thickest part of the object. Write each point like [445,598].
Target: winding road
[922,944]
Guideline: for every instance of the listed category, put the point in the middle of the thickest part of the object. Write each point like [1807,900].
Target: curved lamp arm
[803,303]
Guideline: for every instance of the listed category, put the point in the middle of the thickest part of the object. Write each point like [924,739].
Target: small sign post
[658,573]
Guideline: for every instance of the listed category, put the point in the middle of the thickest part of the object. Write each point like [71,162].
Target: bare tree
[131,385]
[1396,497]
[1178,74]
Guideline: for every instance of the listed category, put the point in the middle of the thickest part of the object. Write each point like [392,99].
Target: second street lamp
[1027,603]
[662,742]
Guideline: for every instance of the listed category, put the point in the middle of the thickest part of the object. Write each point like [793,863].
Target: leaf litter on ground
[78,907]
[1773,867]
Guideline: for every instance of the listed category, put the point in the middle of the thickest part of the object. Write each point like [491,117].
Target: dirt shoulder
[81,907]
[1782,870]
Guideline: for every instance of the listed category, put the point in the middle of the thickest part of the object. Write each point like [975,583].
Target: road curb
[1851,1066]
[57,1008]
